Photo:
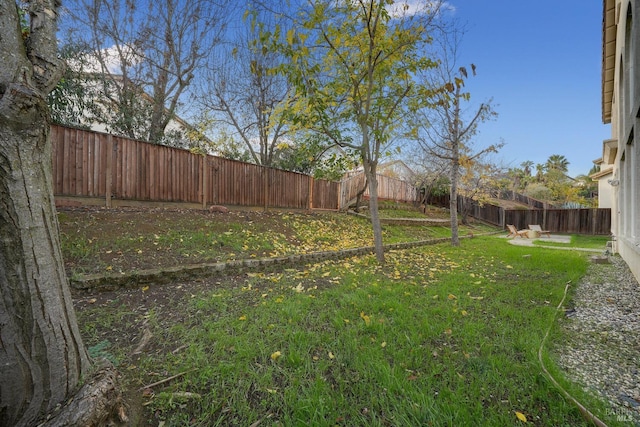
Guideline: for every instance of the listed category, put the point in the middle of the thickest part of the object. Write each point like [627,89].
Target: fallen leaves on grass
[521,416]
[367,319]
[275,355]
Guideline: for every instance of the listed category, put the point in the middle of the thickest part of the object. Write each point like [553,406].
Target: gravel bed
[603,351]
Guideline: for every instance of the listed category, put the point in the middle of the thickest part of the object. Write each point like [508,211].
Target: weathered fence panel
[230,182]
[288,189]
[98,165]
[325,194]
[350,188]
[489,213]
[521,198]
[577,221]
[388,189]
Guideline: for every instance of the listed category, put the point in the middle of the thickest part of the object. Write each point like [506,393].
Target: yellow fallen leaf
[384,344]
[242,318]
[145,288]
[521,417]
[367,319]
[452,296]
[109,268]
[464,312]
[331,355]
[275,355]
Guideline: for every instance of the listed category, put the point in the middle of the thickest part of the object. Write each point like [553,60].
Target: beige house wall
[621,108]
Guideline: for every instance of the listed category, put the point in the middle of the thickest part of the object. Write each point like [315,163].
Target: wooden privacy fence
[578,221]
[97,165]
[388,189]
[521,198]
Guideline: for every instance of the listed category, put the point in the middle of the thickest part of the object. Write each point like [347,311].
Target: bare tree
[442,130]
[245,94]
[42,356]
[146,55]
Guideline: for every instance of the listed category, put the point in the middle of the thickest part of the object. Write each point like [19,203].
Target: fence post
[310,192]
[265,187]
[205,159]
[108,180]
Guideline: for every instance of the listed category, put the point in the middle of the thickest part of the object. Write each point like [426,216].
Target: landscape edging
[186,272]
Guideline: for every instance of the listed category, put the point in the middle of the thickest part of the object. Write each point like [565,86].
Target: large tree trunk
[42,357]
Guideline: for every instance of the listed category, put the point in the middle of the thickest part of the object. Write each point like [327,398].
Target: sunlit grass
[438,336]
[578,241]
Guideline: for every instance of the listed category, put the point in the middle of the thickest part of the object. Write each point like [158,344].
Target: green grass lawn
[578,241]
[439,336]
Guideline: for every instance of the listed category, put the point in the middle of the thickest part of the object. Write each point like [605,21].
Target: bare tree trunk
[42,357]
[453,198]
[361,193]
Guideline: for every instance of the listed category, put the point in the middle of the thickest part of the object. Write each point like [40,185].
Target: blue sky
[541,63]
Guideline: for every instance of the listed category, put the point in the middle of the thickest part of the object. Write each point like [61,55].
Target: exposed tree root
[97,403]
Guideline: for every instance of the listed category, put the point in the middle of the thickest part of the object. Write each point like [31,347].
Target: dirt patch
[123,335]
[97,240]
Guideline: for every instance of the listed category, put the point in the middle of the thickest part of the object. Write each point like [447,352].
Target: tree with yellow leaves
[353,64]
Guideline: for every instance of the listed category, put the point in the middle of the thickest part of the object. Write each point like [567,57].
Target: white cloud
[417,7]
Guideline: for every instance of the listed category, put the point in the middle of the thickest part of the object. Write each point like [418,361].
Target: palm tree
[540,169]
[526,167]
[557,162]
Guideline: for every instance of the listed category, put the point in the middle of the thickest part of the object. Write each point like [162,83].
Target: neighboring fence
[388,189]
[579,221]
[443,200]
[521,198]
[97,165]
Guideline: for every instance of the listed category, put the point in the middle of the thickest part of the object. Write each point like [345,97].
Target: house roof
[598,175]
[608,57]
